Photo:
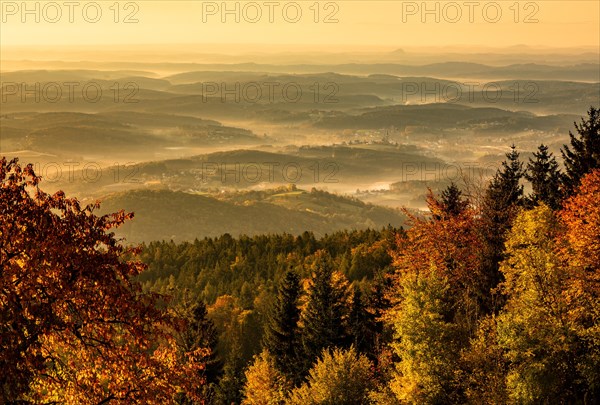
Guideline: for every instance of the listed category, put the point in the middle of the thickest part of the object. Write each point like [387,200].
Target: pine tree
[361,326]
[506,188]
[503,197]
[325,312]
[201,333]
[545,178]
[281,336]
[231,385]
[247,296]
[378,303]
[453,203]
[584,153]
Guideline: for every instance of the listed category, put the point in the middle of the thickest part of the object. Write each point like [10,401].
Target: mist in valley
[379,131]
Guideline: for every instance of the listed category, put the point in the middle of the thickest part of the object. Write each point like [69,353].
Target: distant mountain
[437,117]
[538,88]
[577,72]
[117,133]
[59,75]
[163,214]
[157,120]
[186,57]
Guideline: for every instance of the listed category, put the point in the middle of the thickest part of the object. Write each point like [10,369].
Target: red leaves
[73,325]
[448,244]
[581,215]
[579,246]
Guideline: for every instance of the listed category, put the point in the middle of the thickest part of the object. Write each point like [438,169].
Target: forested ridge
[490,297]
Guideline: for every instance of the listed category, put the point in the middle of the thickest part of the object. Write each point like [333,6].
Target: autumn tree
[265,384]
[340,377]
[437,294]
[367,258]
[581,215]
[580,253]
[282,335]
[534,327]
[74,326]
[583,155]
[545,177]
[484,366]
[426,341]
[448,246]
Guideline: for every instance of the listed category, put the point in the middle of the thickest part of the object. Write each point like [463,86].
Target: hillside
[163,214]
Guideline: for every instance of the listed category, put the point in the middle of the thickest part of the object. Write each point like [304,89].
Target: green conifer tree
[282,338]
[231,384]
[502,200]
[361,326]
[453,203]
[545,178]
[584,153]
[324,317]
[201,333]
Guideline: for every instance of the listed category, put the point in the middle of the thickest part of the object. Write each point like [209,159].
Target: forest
[489,297]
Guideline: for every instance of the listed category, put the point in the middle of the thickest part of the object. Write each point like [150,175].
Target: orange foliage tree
[74,327]
[437,291]
[581,215]
[448,244]
[580,249]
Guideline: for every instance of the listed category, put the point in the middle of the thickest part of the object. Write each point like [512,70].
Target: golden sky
[352,23]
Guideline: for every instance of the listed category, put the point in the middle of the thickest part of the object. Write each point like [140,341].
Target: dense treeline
[212,267]
[243,282]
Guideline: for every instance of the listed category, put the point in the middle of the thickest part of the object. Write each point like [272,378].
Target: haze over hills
[242,94]
[180,216]
[112,134]
[338,168]
[377,125]
[450,117]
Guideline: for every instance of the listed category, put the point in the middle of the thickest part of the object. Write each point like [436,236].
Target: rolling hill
[164,214]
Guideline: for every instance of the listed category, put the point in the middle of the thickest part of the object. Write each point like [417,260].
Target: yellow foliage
[542,341]
[340,377]
[265,385]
